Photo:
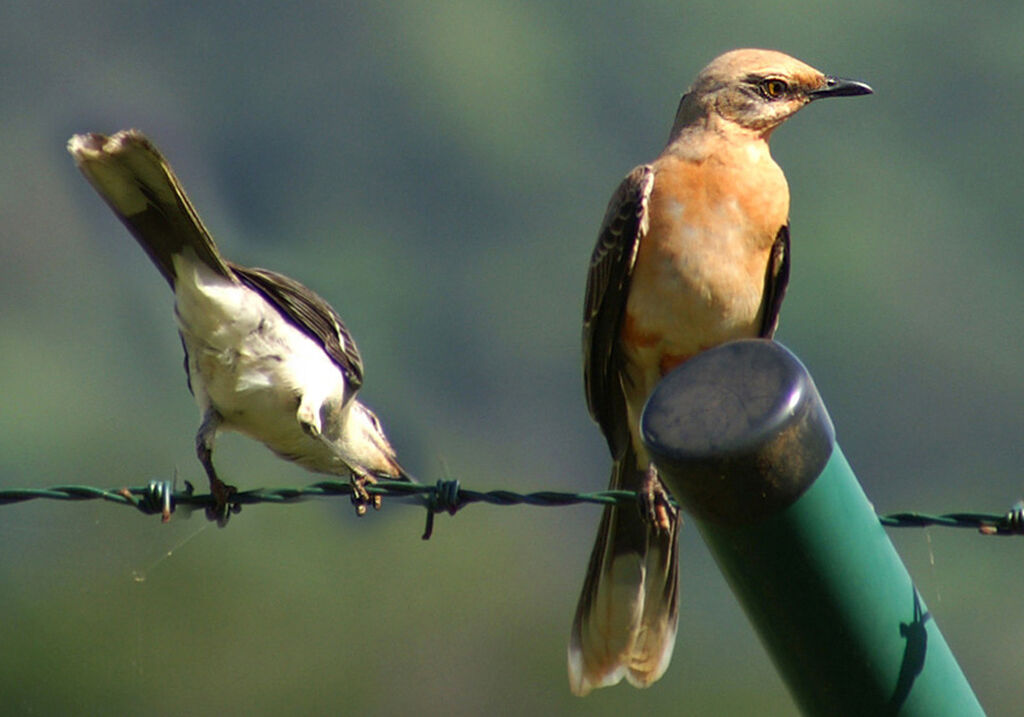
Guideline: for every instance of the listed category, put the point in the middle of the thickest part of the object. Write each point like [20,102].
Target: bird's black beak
[839,87]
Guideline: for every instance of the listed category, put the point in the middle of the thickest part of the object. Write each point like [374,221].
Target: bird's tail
[628,611]
[135,180]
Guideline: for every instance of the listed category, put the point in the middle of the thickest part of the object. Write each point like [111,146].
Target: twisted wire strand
[160,497]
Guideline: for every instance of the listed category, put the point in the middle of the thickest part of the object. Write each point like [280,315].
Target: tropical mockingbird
[264,355]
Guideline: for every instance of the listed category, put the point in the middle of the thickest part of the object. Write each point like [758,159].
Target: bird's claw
[222,507]
[655,502]
[361,498]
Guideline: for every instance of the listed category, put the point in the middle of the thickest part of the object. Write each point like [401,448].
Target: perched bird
[693,252]
[264,355]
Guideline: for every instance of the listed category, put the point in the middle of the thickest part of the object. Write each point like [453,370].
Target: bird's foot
[655,501]
[361,498]
[222,507]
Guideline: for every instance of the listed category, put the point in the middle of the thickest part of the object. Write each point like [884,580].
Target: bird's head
[758,90]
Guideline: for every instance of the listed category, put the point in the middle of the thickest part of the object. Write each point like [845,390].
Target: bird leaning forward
[693,252]
[264,355]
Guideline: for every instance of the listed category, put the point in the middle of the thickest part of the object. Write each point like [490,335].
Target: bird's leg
[220,490]
[655,500]
[361,498]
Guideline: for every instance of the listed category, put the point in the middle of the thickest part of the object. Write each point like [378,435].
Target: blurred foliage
[438,172]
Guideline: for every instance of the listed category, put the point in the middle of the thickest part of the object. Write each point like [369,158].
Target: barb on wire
[159,496]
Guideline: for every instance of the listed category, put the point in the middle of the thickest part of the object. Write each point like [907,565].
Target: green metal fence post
[742,439]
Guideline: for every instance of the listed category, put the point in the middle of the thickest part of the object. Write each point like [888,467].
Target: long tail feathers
[135,180]
[626,620]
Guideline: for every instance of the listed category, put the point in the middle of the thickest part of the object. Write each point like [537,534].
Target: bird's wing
[310,313]
[775,281]
[611,268]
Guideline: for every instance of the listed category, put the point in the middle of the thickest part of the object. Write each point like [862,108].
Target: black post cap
[738,432]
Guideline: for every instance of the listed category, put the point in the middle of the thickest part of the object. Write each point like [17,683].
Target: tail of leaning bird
[628,613]
[131,176]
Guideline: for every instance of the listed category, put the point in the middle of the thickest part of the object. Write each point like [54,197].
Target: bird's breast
[699,275]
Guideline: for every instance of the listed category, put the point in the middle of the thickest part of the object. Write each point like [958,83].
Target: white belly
[255,368]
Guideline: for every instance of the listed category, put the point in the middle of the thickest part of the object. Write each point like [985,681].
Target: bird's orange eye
[774,88]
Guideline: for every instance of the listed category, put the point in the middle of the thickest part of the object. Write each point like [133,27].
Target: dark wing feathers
[310,313]
[611,267]
[775,281]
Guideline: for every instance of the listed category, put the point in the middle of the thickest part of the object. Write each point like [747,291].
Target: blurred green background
[438,172]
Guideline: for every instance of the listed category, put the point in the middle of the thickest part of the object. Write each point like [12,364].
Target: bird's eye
[774,88]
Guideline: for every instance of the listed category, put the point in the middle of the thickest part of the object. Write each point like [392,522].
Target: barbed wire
[448,496]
